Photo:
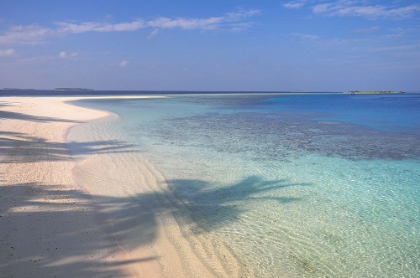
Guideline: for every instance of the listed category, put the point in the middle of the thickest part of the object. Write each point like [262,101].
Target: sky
[218,45]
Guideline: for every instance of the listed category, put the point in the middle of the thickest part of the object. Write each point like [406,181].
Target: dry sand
[55,221]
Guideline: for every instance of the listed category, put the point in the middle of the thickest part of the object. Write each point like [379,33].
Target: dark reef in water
[284,134]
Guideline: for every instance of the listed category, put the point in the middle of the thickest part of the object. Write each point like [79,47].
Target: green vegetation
[357,92]
[72,89]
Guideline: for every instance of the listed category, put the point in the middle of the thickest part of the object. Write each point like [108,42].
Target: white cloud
[227,21]
[321,8]
[25,34]
[397,48]
[367,30]
[64,54]
[237,27]
[295,4]
[306,36]
[124,63]
[358,8]
[242,14]
[7,52]
[74,28]
[153,34]
[34,34]
[185,23]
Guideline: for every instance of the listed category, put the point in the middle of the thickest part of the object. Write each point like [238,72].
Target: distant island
[357,92]
[16,89]
[72,89]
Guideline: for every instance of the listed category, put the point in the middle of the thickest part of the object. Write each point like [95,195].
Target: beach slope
[48,226]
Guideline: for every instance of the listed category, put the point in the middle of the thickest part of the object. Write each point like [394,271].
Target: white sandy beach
[66,217]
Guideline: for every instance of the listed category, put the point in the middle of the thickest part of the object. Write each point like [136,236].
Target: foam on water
[284,186]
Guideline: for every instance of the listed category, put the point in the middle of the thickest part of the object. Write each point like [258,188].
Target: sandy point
[48,223]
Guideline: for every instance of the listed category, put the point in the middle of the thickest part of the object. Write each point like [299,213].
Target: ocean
[278,185]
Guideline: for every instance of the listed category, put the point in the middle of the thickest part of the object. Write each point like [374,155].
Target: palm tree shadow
[24,148]
[26,117]
[67,247]
[210,207]
[128,222]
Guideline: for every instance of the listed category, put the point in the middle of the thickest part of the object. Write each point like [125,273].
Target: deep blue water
[383,112]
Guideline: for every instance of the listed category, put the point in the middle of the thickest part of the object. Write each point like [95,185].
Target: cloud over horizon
[265,45]
[348,8]
[357,8]
[123,63]
[33,34]
[295,4]
[153,34]
[7,52]
[64,55]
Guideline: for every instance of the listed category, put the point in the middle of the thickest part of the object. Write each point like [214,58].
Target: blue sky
[309,45]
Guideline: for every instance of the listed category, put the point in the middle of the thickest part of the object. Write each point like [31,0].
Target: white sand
[56,224]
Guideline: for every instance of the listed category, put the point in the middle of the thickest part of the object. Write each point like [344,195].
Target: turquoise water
[323,185]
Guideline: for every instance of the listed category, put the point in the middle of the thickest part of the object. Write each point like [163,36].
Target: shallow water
[293,185]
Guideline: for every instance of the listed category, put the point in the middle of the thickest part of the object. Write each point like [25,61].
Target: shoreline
[52,224]
[142,201]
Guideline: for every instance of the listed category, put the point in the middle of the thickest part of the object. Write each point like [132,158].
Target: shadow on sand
[23,148]
[18,147]
[130,221]
[26,117]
